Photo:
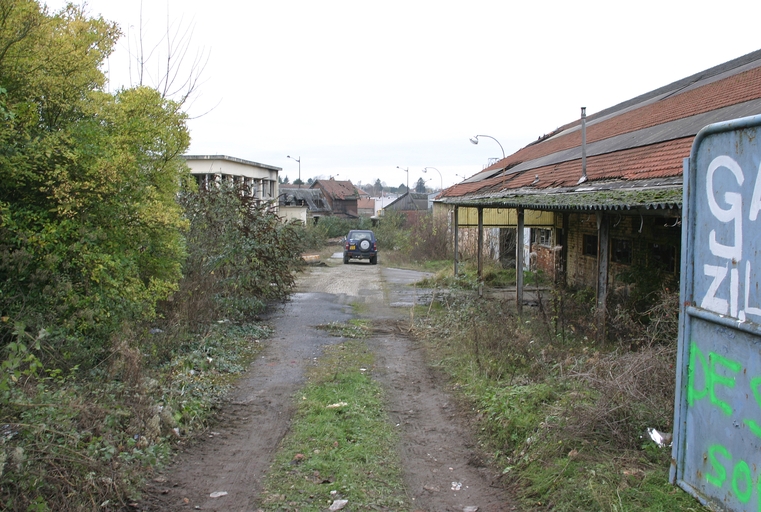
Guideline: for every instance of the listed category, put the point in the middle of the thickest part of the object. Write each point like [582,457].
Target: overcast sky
[357,88]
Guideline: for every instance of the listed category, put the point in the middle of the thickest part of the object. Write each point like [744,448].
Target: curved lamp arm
[425,170]
[474,140]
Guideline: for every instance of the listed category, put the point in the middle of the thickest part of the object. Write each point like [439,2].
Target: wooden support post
[564,250]
[480,243]
[603,257]
[480,251]
[455,233]
[519,263]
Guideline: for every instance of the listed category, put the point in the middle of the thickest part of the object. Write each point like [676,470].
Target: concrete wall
[289,213]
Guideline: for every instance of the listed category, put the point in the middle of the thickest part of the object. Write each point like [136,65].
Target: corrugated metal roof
[409,201]
[657,194]
[312,197]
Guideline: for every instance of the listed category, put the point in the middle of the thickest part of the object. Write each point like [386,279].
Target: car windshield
[360,235]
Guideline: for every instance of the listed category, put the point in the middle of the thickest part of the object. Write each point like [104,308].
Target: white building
[257,180]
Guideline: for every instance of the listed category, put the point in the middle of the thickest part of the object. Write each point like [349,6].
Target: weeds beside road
[564,418]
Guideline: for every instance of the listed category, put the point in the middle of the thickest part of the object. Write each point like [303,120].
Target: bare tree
[178,71]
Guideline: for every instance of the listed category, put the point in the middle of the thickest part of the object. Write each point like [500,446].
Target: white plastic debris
[662,439]
[456,486]
[338,505]
[218,494]
[337,405]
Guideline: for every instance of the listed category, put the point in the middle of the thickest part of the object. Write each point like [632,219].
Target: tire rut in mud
[441,464]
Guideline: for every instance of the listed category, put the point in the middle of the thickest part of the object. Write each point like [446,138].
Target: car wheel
[364,245]
[346,260]
[374,260]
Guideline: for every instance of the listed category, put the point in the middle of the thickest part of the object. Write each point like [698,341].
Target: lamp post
[407,170]
[298,160]
[425,170]
[474,140]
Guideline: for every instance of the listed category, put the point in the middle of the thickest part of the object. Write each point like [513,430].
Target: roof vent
[583,146]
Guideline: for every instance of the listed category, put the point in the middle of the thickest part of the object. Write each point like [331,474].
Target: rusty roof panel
[739,86]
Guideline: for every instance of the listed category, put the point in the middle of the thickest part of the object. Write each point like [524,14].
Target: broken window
[621,251]
[541,236]
[663,256]
[590,245]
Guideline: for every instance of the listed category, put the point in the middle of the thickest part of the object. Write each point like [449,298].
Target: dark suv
[361,245]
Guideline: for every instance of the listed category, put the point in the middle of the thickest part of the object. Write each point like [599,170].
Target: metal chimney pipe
[583,146]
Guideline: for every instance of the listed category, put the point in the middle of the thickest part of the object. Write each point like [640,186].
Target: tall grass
[563,416]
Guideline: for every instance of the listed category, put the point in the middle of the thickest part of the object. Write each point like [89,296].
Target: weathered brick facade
[653,242]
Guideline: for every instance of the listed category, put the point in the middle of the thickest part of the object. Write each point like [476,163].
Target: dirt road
[442,468]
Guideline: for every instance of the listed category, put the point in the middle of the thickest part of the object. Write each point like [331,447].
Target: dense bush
[240,256]
[429,238]
[391,232]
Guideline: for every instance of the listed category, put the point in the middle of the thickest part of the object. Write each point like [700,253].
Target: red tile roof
[731,84]
[337,189]
[653,161]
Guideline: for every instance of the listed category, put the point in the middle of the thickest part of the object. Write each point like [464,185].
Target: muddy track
[443,470]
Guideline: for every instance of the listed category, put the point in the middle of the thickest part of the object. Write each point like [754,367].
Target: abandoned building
[603,194]
[259,181]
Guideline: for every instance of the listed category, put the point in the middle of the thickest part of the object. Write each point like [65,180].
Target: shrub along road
[441,466]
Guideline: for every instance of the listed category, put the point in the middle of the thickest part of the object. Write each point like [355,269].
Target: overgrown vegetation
[124,313]
[341,445]
[563,416]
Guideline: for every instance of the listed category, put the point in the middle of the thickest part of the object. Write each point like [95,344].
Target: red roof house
[342,196]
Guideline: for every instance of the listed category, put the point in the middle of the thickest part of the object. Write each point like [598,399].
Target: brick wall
[642,233]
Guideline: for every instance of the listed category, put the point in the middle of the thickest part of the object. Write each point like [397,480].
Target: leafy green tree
[91,234]
[420,186]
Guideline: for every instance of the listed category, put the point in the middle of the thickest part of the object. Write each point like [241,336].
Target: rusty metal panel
[467,216]
[505,217]
[717,419]
[538,218]
[500,217]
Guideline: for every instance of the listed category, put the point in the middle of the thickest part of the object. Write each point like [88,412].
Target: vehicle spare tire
[364,245]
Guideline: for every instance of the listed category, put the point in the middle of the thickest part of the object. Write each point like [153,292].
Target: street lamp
[407,170]
[425,170]
[474,140]
[299,162]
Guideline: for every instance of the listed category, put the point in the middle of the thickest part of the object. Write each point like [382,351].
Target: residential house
[412,204]
[341,196]
[602,194]
[302,203]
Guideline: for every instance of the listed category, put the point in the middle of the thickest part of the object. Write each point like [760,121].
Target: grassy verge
[563,418]
[341,444]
